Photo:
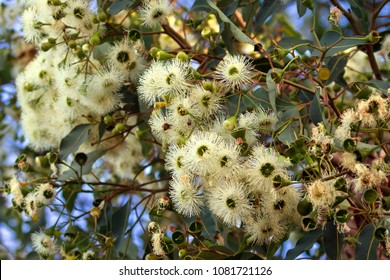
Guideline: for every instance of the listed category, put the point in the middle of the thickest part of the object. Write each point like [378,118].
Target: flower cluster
[29,200]
[217,161]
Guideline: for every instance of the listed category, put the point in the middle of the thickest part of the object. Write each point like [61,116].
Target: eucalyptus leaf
[301,8]
[74,139]
[316,110]
[305,243]
[367,244]
[119,222]
[70,193]
[333,240]
[269,8]
[237,33]
[336,65]
[333,42]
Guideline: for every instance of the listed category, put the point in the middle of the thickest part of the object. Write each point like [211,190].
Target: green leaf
[70,193]
[120,5]
[305,243]
[301,8]
[367,244]
[201,5]
[359,8]
[228,6]
[333,240]
[316,110]
[289,131]
[336,65]
[74,139]
[119,221]
[272,90]
[75,169]
[237,33]
[329,39]
[381,85]
[268,8]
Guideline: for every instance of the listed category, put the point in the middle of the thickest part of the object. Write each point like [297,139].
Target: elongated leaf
[70,193]
[305,243]
[359,8]
[381,85]
[336,65]
[119,222]
[367,244]
[120,5]
[228,6]
[272,90]
[268,8]
[332,42]
[74,139]
[75,167]
[301,9]
[200,5]
[333,240]
[316,110]
[237,33]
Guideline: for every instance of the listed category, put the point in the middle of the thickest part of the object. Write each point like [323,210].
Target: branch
[376,13]
[176,36]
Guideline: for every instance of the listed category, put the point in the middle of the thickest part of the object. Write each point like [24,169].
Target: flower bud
[95,212]
[153,51]
[162,55]
[86,48]
[95,39]
[101,15]
[206,33]
[230,123]
[182,56]
[45,46]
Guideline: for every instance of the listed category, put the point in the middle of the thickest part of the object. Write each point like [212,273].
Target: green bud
[101,15]
[206,33]
[95,39]
[162,55]
[72,44]
[108,120]
[373,37]
[182,253]
[46,46]
[153,51]
[230,123]
[182,56]
[119,127]
[52,40]
[207,85]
